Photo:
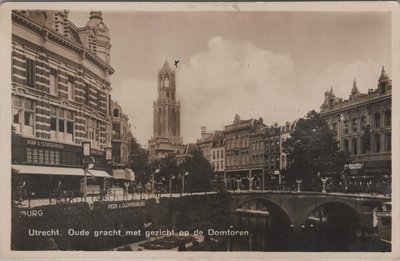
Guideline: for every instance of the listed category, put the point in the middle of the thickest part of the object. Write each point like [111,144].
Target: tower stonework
[166,116]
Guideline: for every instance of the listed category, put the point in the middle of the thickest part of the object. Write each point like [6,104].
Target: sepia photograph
[200,128]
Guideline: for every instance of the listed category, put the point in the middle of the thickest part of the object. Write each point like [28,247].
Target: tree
[311,149]
[200,172]
[139,162]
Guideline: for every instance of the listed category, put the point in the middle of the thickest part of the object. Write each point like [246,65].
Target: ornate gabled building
[166,130]
[363,125]
[212,145]
[60,97]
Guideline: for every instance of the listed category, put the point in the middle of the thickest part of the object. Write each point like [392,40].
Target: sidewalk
[37,202]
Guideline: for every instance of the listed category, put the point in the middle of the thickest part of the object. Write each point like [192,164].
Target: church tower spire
[167,108]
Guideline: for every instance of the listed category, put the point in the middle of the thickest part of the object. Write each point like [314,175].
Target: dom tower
[166,117]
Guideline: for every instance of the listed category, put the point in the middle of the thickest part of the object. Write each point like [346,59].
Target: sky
[274,65]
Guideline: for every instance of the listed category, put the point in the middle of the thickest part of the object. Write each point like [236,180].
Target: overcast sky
[258,64]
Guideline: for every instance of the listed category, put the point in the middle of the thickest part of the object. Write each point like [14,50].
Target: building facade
[363,125]
[212,145]
[240,169]
[60,96]
[166,117]
[120,137]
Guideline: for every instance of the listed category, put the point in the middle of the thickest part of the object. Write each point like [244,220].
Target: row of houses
[61,97]
[250,150]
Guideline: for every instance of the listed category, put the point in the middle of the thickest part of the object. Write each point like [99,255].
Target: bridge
[294,209]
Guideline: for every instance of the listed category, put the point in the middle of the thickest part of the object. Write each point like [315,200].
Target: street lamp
[88,163]
[183,182]
[170,185]
[324,184]
[298,184]
[108,151]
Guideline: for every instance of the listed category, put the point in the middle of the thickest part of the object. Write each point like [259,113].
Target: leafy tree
[312,148]
[139,162]
[200,172]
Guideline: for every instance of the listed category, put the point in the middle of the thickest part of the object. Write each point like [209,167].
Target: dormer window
[382,87]
[116,113]
[330,103]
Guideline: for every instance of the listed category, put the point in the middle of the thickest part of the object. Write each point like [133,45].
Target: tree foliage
[200,172]
[139,162]
[313,148]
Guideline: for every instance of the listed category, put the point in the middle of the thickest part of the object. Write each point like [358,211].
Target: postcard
[200,130]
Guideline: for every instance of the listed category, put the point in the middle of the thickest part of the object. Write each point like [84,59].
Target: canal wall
[106,225]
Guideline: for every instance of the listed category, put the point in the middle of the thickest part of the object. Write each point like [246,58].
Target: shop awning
[129,174]
[118,173]
[125,174]
[45,170]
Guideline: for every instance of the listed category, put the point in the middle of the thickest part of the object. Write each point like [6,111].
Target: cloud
[231,77]
[341,76]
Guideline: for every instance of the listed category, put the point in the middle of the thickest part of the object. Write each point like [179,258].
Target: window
[364,145]
[354,125]
[71,87]
[53,82]
[377,120]
[388,141]
[377,143]
[346,126]
[116,113]
[17,103]
[222,165]
[382,87]
[61,124]
[217,154]
[28,117]
[388,118]
[87,95]
[277,163]
[346,145]
[30,72]
[213,154]
[166,82]
[222,154]
[334,128]
[354,142]
[363,122]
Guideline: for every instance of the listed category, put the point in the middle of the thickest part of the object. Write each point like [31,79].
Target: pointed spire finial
[383,69]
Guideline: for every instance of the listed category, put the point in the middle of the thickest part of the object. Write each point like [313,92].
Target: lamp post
[298,184]
[170,185]
[108,151]
[324,184]
[88,163]
[183,182]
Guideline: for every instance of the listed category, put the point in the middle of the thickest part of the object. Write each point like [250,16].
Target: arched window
[166,82]
[334,128]
[388,118]
[354,125]
[116,113]
[346,126]
[159,122]
[363,122]
[377,120]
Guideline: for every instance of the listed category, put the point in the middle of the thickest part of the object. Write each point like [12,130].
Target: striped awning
[61,171]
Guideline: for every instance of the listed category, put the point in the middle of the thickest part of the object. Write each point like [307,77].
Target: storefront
[43,166]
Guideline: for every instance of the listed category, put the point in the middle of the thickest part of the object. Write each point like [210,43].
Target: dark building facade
[363,125]
[60,97]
